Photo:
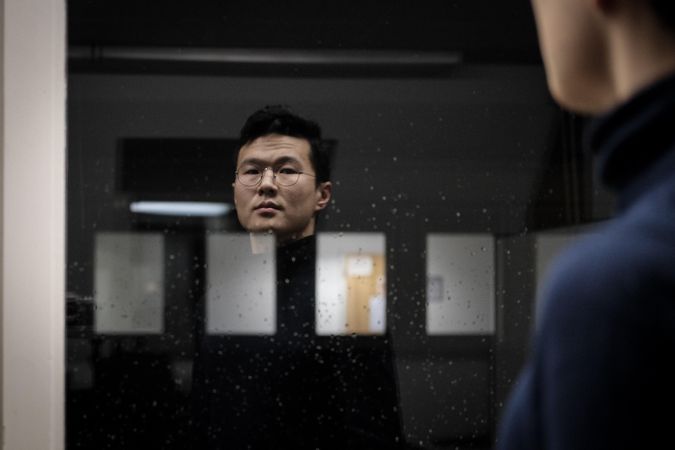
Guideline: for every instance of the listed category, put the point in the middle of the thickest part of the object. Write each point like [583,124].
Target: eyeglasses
[283,176]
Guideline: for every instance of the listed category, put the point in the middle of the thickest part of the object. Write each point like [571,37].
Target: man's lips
[267,208]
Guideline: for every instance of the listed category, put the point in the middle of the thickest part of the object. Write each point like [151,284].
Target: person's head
[598,53]
[283,173]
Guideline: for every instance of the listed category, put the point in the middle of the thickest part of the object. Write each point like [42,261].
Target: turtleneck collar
[302,248]
[630,139]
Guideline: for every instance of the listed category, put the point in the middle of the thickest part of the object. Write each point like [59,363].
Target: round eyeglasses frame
[280,178]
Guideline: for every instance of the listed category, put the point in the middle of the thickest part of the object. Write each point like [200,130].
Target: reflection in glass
[469,155]
[460,284]
[351,283]
[129,283]
[241,284]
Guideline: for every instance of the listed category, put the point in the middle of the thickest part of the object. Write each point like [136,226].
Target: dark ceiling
[482,31]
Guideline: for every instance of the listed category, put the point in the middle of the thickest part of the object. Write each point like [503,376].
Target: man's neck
[641,50]
[266,241]
[285,239]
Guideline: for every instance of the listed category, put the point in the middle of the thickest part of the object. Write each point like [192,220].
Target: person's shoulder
[616,269]
[644,239]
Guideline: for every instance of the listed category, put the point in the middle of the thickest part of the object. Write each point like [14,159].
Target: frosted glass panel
[460,284]
[241,284]
[129,283]
[351,283]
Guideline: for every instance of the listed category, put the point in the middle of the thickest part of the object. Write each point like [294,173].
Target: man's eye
[251,171]
[288,171]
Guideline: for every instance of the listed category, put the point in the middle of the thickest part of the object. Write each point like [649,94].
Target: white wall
[2,221]
[241,284]
[33,215]
[460,284]
[129,283]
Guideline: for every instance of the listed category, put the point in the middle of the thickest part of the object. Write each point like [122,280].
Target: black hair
[665,12]
[279,119]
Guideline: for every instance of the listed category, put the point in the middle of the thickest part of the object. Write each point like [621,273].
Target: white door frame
[32,223]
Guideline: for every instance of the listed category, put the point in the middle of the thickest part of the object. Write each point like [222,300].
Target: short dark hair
[665,12]
[279,119]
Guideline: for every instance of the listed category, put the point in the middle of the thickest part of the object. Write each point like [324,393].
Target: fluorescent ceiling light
[322,57]
[200,209]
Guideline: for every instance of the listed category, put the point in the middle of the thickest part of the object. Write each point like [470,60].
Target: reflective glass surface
[404,321]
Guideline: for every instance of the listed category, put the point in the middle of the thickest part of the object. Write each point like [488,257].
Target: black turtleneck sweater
[294,389]
[600,374]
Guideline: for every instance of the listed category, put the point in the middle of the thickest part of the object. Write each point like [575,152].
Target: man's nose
[267,182]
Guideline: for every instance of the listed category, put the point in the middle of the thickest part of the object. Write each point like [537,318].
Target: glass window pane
[460,284]
[351,283]
[402,319]
[241,279]
[129,283]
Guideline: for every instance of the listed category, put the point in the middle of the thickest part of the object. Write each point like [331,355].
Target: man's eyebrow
[286,159]
[262,162]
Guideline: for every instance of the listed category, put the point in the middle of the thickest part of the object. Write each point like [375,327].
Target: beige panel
[33,219]
[362,287]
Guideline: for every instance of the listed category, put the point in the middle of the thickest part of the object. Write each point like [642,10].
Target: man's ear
[323,192]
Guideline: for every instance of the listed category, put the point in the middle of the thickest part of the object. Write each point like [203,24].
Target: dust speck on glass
[404,320]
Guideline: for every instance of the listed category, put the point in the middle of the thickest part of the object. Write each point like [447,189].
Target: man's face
[574,49]
[287,211]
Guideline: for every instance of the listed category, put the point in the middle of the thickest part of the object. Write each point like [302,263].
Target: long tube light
[269,56]
[193,209]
